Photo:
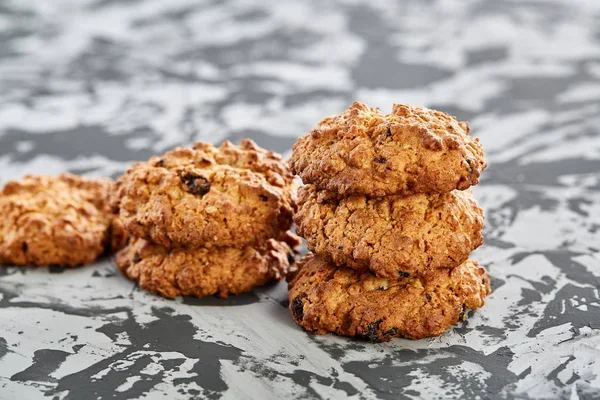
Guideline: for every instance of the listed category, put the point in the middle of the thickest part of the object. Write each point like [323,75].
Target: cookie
[199,272]
[411,150]
[57,220]
[394,236]
[205,196]
[324,298]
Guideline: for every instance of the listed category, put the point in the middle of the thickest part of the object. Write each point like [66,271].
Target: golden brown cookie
[326,299]
[205,196]
[202,272]
[57,220]
[394,236]
[411,150]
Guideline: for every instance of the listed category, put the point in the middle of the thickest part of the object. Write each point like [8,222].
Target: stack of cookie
[389,217]
[207,221]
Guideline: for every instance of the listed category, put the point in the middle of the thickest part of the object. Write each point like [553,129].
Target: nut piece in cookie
[410,150]
[57,220]
[324,298]
[199,272]
[393,236]
[202,196]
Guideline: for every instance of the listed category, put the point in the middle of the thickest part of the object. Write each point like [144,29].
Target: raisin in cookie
[199,272]
[324,298]
[205,196]
[57,220]
[410,150]
[393,236]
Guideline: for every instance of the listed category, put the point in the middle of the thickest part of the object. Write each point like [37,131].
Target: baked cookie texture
[205,196]
[199,272]
[408,151]
[324,298]
[393,236]
[57,220]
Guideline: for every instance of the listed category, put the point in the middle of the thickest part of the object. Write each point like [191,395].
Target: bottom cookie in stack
[220,271]
[324,298]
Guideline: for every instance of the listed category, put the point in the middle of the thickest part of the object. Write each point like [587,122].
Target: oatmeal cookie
[205,196]
[199,272]
[57,220]
[394,236]
[410,150]
[324,298]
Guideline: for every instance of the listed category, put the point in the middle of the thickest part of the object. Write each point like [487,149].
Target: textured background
[89,86]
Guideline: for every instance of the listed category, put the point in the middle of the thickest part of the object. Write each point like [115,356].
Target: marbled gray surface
[90,86]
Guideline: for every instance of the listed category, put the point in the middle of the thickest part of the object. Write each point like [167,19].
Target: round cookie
[393,236]
[57,220]
[202,272]
[324,298]
[205,196]
[411,150]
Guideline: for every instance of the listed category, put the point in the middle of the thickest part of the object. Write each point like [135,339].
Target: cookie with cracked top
[324,298]
[199,272]
[60,220]
[408,151]
[394,236]
[202,196]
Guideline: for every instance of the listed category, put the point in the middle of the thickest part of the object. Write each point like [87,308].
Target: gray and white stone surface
[88,86]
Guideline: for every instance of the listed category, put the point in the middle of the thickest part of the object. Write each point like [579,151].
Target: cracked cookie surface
[410,150]
[60,220]
[199,272]
[393,236]
[324,298]
[204,196]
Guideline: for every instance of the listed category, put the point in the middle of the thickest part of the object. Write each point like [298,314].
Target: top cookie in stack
[206,220]
[204,196]
[387,195]
[409,151]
